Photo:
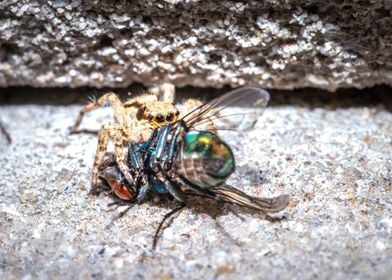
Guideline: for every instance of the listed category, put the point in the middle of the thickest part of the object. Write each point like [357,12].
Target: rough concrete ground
[331,152]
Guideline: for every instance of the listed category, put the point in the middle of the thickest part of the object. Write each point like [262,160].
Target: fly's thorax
[204,159]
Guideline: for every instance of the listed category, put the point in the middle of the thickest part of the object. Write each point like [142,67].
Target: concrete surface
[331,153]
[274,43]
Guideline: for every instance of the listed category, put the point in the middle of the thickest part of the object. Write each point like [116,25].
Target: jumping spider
[135,120]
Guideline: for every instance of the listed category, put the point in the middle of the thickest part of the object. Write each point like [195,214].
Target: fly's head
[112,176]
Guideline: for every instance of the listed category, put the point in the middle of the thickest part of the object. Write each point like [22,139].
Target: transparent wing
[236,110]
[232,195]
[229,194]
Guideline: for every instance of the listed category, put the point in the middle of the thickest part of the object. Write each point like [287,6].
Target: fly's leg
[159,142]
[144,190]
[108,98]
[135,159]
[158,162]
[167,216]
[174,191]
[172,145]
[136,155]
[162,142]
[120,215]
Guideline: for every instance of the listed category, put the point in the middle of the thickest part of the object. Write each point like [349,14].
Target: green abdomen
[204,159]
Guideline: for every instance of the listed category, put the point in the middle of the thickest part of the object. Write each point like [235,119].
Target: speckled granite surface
[274,43]
[331,153]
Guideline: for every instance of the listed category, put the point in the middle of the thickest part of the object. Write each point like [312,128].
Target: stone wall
[273,43]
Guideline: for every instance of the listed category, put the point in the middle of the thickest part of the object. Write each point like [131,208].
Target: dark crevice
[105,41]
[379,96]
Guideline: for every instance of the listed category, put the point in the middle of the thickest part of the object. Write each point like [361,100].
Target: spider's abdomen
[204,159]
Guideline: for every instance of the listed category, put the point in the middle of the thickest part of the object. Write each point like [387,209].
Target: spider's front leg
[110,98]
[115,132]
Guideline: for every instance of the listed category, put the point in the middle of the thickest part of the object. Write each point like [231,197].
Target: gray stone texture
[331,153]
[274,43]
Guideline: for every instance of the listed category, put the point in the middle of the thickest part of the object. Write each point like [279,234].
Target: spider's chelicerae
[134,121]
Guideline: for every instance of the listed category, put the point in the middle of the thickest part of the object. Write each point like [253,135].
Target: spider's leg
[108,98]
[138,101]
[107,161]
[164,92]
[167,215]
[117,136]
[103,140]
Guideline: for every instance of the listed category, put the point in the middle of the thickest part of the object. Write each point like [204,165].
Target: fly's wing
[236,110]
[229,194]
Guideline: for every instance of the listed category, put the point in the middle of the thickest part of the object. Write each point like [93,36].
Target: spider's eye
[177,113]
[169,117]
[144,108]
[150,118]
[159,119]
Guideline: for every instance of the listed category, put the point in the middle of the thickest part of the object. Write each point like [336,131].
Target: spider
[181,160]
[135,120]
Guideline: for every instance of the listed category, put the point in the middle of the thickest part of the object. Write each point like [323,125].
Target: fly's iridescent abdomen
[204,159]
